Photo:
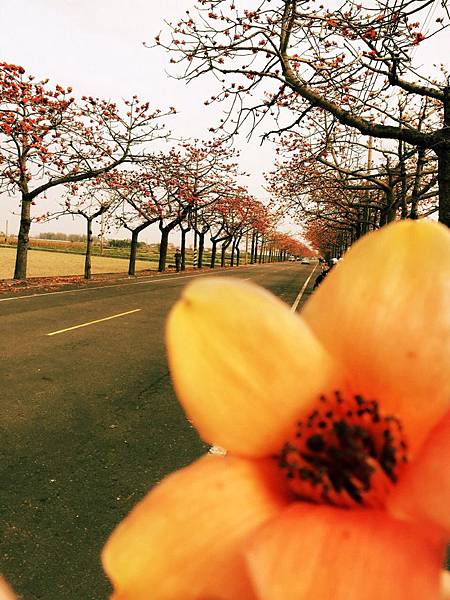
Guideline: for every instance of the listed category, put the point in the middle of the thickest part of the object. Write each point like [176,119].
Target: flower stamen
[345,453]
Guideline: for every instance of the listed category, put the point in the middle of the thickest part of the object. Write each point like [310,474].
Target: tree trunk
[20,270]
[443,154]
[444,183]
[233,248]
[183,248]
[255,249]
[201,247]
[223,253]
[195,251]
[252,250]
[391,210]
[235,251]
[413,214]
[213,253]
[87,259]
[164,243]
[261,252]
[133,251]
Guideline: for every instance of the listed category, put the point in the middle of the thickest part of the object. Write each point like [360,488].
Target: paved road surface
[89,422]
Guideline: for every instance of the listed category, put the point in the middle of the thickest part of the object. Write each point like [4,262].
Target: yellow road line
[129,312]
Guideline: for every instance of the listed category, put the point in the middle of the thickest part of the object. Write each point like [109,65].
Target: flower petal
[445,581]
[423,492]
[6,592]
[243,365]
[332,554]
[182,540]
[383,311]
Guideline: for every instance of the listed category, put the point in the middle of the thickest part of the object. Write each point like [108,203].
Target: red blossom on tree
[47,139]
[345,62]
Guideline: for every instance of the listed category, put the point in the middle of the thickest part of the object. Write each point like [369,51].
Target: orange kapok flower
[336,482]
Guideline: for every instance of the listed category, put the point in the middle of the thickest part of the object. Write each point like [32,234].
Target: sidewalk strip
[156,279]
[129,312]
[302,291]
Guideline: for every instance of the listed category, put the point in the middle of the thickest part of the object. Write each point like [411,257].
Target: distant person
[325,272]
[177,260]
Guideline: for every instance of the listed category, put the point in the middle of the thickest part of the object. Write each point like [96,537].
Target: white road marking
[129,312]
[302,291]
[101,287]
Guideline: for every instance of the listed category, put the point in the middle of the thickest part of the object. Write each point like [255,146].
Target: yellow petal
[384,312]
[183,540]
[243,365]
[323,553]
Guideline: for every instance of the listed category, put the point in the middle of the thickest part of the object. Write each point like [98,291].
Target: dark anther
[343,451]
[352,491]
[315,443]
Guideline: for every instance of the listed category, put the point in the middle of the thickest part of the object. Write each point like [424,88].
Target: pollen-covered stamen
[345,453]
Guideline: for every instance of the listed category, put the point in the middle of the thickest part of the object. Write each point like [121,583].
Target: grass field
[58,264]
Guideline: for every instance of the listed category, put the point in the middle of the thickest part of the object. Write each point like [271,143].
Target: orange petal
[383,311]
[244,366]
[445,584]
[183,539]
[332,554]
[6,592]
[423,492]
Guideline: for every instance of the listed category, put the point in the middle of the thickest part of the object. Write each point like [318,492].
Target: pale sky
[96,46]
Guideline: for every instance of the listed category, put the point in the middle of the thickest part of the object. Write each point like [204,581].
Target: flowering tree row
[48,139]
[191,188]
[287,63]
[102,158]
[349,184]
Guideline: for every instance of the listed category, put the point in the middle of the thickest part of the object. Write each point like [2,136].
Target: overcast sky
[96,46]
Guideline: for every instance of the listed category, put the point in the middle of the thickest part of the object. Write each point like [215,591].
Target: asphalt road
[89,421]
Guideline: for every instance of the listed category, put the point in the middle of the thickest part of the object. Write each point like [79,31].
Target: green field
[58,264]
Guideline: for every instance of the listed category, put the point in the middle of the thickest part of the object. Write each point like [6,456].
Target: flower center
[345,453]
